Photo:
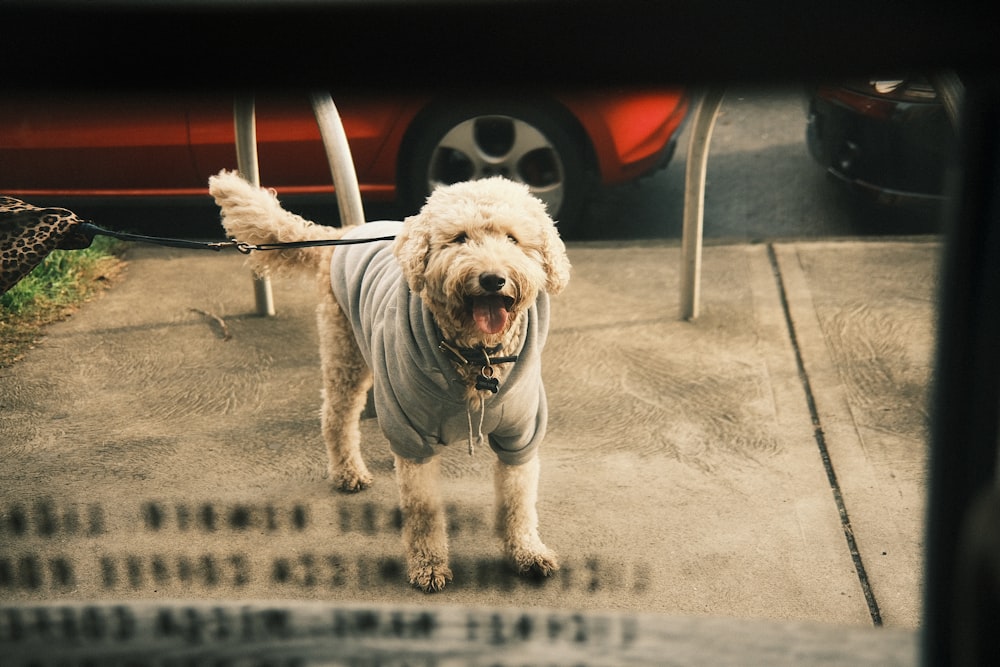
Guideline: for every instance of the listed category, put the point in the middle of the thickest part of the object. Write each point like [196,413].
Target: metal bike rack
[338,154]
[247,163]
[345,181]
[694,200]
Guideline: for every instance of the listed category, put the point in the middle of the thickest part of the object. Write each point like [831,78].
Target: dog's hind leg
[425,536]
[346,380]
[517,518]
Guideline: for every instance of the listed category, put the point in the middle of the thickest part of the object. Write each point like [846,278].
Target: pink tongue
[489,313]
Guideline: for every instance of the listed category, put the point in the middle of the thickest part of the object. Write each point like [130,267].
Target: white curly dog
[447,324]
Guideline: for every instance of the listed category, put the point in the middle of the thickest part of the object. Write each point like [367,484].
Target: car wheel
[522,142]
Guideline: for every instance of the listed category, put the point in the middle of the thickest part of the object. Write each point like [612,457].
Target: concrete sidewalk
[727,467]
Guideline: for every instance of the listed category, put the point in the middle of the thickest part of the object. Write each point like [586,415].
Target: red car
[168,145]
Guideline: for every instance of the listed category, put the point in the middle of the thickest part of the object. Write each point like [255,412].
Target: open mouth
[490,312]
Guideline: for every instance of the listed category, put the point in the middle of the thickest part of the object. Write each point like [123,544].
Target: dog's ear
[554,259]
[411,249]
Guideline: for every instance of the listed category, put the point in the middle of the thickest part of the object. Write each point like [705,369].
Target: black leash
[91,230]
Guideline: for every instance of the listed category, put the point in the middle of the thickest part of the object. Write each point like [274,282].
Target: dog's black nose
[491,282]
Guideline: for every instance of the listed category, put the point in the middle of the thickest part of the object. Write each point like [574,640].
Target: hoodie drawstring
[478,440]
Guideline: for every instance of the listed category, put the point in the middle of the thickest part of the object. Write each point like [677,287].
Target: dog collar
[479,356]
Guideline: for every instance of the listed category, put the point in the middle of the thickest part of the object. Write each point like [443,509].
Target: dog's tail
[253,215]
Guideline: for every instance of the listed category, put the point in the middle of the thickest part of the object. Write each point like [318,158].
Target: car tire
[535,144]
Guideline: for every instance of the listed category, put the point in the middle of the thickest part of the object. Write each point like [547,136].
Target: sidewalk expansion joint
[820,437]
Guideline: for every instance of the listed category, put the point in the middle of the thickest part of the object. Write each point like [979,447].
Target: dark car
[889,140]
[126,147]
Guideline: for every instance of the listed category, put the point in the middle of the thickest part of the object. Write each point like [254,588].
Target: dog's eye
[461,238]
[512,239]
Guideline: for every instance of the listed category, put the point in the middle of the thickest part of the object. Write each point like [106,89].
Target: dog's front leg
[517,518]
[425,535]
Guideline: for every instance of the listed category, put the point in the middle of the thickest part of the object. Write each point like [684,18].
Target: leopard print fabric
[29,233]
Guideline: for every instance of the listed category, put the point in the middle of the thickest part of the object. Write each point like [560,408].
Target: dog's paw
[542,561]
[430,577]
[351,481]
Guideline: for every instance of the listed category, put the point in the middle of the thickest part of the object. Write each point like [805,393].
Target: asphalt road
[761,184]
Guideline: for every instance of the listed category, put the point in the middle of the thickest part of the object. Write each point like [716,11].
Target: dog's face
[478,254]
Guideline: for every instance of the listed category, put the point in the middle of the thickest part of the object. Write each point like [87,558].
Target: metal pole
[694,200]
[338,154]
[246,161]
[345,178]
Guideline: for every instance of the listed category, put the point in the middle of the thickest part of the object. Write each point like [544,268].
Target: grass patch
[52,291]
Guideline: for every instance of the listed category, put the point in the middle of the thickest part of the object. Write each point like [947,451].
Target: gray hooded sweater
[419,397]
